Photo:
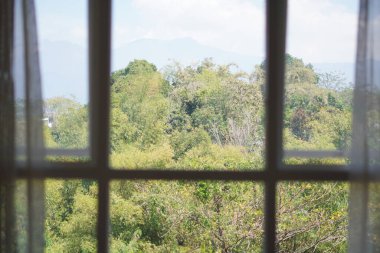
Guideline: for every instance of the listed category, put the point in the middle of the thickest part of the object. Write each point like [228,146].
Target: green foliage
[121,131]
[202,117]
[139,109]
[215,157]
[183,141]
[301,227]
[319,117]
[298,72]
[126,218]
[140,67]
[225,104]
[134,158]
[71,217]
[70,125]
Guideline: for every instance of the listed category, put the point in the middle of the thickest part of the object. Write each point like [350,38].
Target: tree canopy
[202,117]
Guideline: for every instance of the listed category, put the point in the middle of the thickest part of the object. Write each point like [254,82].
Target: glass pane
[18,217]
[321,50]
[374,215]
[312,217]
[71,215]
[63,51]
[187,85]
[160,216]
[21,220]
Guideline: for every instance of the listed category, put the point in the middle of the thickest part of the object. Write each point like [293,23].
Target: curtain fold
[21,129]
[364,233]
[7,232]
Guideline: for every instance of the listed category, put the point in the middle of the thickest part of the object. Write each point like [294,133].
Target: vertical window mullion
[99,39]
[275,68]
[99,45]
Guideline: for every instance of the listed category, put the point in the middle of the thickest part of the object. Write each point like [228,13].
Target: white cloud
[321,31]
[318,30]
[62,21]
[234,25]
[62,28]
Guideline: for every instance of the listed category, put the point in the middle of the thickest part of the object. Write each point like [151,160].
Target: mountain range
[64,65]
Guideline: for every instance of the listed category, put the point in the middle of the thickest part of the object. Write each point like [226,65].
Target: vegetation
[202,117]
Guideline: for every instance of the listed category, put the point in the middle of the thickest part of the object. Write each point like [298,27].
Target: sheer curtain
[21,138]
[6,127]
[364,233]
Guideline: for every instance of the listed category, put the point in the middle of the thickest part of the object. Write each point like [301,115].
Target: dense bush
[202,117]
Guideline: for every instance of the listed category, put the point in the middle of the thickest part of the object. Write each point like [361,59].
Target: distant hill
[64,65]
[64,70]
[185,51]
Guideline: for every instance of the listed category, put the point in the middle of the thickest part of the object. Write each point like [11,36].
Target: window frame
[98,168]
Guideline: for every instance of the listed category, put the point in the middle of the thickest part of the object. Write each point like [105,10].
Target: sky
[319,31]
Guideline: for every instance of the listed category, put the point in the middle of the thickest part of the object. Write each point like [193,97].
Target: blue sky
[318,30]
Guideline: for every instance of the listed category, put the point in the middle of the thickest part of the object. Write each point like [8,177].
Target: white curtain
[21,133]
[364,234]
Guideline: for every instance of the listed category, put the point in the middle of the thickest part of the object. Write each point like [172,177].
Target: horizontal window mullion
[265,176]
[86,166]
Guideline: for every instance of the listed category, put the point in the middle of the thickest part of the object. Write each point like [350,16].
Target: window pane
[71,215]
[21,220]
[160,216]
[187,84]
[18,216]
[321,50]
[312,217]
[63,51]
[373,214]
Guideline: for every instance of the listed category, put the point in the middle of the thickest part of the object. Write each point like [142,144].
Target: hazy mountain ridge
[185,51]
[68,75]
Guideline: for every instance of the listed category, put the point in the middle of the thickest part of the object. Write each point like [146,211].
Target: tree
[70,122]
[201,117]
